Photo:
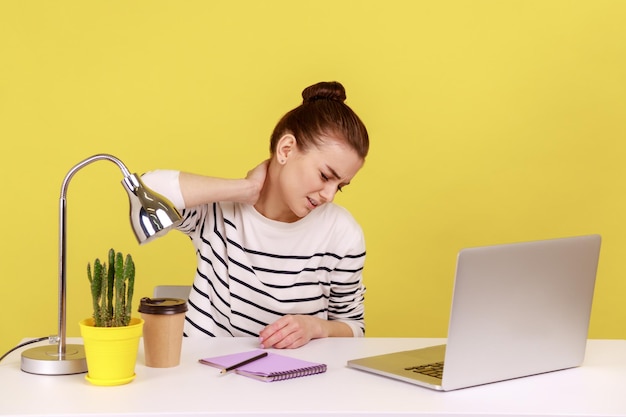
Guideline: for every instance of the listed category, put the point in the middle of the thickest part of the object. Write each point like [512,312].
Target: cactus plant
[112,289]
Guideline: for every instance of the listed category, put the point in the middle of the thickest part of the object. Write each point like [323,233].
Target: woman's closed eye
[326,178]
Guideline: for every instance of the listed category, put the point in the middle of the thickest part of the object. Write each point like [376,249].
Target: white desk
[598,388]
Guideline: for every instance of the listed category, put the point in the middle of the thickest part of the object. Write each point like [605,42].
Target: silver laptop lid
[520,309]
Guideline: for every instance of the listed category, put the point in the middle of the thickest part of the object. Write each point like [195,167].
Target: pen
[247,361]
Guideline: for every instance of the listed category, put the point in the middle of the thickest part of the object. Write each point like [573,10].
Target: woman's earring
[282,161]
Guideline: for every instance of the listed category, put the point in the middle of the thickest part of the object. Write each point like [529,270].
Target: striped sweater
[252,270]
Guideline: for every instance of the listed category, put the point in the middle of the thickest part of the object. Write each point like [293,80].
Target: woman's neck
[271,202]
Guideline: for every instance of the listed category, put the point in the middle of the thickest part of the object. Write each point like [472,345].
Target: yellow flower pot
[111,352]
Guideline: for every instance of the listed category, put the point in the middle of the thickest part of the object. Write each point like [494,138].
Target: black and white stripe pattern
[252,270]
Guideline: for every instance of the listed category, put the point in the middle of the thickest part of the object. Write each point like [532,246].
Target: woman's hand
[293,331]
[290,332]
[256,177]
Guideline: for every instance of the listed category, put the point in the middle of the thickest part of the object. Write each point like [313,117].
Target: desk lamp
[151,216]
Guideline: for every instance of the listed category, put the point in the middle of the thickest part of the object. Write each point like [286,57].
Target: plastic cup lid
[162,305]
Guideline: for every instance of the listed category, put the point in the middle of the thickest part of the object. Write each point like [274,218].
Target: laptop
[518,309]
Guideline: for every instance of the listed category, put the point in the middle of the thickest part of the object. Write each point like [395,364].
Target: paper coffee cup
[162,330]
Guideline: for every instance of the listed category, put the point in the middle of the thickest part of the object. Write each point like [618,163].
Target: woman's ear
[285,147]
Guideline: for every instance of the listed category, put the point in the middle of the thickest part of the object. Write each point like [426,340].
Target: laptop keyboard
[432,369]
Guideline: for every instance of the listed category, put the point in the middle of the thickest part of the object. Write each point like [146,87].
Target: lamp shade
[151,214]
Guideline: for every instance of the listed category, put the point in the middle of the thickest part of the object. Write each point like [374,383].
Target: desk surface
[598,388]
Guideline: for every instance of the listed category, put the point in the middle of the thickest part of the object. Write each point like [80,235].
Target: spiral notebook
[273,367]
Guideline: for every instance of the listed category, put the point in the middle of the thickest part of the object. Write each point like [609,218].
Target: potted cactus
[112,290]
[112,287]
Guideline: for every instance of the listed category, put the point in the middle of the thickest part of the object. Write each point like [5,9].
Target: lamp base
[45,360]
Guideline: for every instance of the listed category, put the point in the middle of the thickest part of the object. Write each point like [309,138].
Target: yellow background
[490,122]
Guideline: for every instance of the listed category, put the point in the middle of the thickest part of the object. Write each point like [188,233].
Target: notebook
[518,309]
[273,367]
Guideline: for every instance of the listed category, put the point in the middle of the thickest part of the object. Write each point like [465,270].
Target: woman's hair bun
[325,90]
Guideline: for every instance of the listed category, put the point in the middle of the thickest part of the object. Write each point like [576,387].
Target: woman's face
[311,178]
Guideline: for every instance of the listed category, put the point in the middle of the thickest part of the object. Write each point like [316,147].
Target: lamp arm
[62,240]
[88,161]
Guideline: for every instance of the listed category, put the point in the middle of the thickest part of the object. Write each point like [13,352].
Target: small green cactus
[112,290]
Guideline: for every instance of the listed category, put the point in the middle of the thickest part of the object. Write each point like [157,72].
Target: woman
[276,258]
